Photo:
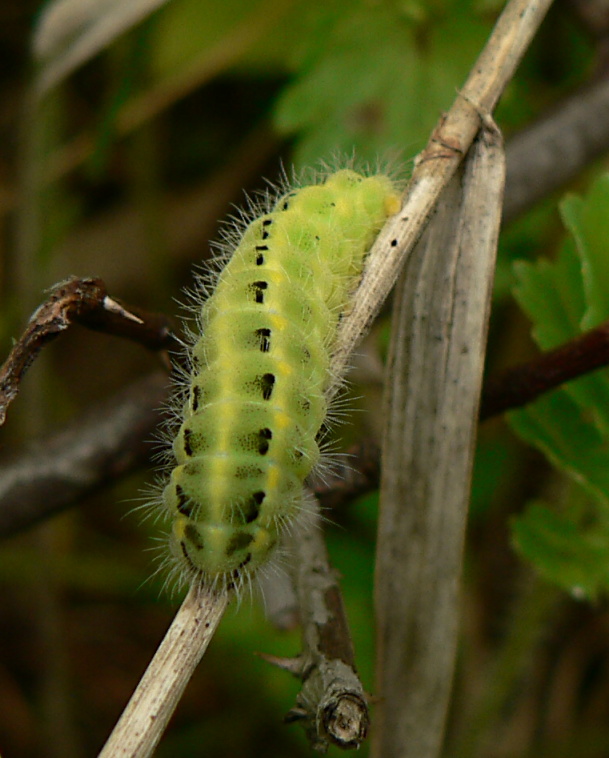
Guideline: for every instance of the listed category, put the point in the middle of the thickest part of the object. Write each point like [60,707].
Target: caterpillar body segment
[256,397]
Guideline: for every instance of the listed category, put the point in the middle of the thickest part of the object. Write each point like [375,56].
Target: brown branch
[332,705]
[85,302]
[354,475]
[106,442]
[95,449]
[553,150]
[519,385]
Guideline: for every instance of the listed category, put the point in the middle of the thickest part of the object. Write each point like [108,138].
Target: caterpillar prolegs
[259,373]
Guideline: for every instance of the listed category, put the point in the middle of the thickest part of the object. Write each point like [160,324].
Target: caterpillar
[255,400]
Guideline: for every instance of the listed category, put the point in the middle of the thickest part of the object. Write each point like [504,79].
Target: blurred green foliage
[571,425]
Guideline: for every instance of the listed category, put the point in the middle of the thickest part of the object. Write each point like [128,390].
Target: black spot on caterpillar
[249,432]
[258,289]
[264,337]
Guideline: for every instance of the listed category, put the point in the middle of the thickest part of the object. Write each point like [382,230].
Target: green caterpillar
[256,395]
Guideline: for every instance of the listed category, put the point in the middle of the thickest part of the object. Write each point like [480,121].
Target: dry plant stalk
[435,167]
[433,384]
[143,721]
[72,31]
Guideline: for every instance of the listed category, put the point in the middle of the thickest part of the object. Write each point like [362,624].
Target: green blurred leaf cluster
[570,426]
[366,78]
[341,101]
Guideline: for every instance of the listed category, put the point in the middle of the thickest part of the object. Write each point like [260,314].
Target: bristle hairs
[254,402]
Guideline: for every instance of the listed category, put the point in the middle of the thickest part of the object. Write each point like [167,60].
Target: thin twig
[93,450]
[521,384]
[78,301]
[143,721]
[332,705]
[548,153]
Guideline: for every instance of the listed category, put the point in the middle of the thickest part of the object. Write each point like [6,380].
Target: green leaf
[380,79]
[556,425]
[564,297]
[551,293]
[574,558]
[205,38]
[588,221]
[570,425]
